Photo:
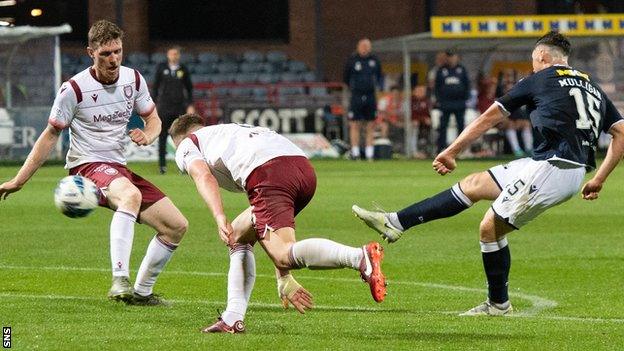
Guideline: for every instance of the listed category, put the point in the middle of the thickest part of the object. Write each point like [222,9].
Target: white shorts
[530,187]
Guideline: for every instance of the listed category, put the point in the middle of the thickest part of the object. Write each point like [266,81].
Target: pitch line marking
[538,304]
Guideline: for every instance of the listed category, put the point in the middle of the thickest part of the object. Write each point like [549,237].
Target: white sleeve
[64,107]
[143,103]
[186,153]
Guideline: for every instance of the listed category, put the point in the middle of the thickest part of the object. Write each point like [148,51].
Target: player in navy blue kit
[363,76]
[568,111]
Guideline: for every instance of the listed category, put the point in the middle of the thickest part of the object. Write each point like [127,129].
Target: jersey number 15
[593,107]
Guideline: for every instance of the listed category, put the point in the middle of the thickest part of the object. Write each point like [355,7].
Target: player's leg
[315,253]
[125,199]
[162,143]
[459,119]
[496,264]
[170,225]
[444,121]
[369,150]
[354,137]
[241,274]
[450,202]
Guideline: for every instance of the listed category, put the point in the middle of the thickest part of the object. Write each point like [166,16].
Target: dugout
[594,54]
[30,67]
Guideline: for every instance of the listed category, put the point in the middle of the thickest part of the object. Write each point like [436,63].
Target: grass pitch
[566,277]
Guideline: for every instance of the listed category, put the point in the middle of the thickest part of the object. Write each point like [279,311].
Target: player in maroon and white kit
[279,182]
[96,105]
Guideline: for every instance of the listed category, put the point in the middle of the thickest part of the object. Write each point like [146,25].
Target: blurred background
[282,64]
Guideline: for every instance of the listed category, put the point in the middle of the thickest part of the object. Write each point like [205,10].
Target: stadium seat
[266,78]
[307,77]
[158,57]
[137,58]
[253,56]
[239,92]
[187,58]
[205,68]
[318,91]
[288,77]
[245,77]
[208,57]
[227,67]
[296,66]
[276,56]
[248,67]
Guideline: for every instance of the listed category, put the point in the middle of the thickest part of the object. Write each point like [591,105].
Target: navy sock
[497,265]
[445,204]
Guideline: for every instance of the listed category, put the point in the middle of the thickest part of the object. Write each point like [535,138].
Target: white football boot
[378,222]
[488,309]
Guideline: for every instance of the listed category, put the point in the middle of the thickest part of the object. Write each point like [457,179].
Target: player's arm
[37,156]
[614,155]
[208,189]
[150,131]
[445,161]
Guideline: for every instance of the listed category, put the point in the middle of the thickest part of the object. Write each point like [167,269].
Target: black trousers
[444,121]
[167,119]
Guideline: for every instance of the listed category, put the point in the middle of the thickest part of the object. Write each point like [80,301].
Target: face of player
[173,56]
[364,47]
[538,59]
[107,60]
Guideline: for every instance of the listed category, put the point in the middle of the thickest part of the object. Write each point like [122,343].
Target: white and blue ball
[76,196]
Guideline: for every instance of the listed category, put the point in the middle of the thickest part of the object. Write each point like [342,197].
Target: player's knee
[487,231]
[178,228]
[473,186]
[283,260]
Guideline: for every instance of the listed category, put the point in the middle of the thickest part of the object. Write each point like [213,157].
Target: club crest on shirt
[128,91]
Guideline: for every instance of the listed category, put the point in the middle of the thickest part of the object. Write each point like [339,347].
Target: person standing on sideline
[362,74]
[452,89]
[173,94]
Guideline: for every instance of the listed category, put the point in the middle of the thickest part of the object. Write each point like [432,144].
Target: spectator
[421,122]
[452,89]
[518,120]
[362,74]
[173,94]
[440,60]
[390,111]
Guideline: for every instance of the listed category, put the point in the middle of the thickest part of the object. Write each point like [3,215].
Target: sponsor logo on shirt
[117,117]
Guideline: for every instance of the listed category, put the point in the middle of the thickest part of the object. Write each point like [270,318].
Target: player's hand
[225,229]
[138,137]
[9,187]
[290,291]
[591,189]
[444,163]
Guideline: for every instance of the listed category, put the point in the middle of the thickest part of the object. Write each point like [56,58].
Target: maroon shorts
[278,190]
[103,173]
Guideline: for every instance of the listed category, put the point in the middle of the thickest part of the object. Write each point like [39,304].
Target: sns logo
[6,337]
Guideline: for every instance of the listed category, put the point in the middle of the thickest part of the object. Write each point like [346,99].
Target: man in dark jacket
[362,74]
[452,89]
[173,94]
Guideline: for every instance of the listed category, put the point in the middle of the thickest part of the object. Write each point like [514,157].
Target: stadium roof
[423,42]
[20,34]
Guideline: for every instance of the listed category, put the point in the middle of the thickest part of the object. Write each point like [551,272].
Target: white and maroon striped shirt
[97,114]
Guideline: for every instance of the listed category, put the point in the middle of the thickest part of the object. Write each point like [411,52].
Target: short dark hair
[103,32]
[556,40]
[183,124]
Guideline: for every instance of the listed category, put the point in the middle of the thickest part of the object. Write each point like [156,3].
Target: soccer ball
[76,196]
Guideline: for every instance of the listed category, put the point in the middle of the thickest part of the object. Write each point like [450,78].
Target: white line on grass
[538,304]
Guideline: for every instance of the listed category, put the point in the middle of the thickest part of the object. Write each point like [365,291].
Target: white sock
[121,236]
[512,137]
[527,138]
[355,151]
[370,152]
[393,218]
[158,253]
[241,278]
[324,254]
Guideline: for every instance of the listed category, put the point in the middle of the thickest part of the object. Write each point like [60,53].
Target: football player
[569,111]
[96,105]
[279,182]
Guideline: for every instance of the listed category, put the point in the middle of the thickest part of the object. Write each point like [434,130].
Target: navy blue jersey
[567,110]
[362,74]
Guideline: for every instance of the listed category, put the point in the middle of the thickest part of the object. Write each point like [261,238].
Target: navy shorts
[363,107]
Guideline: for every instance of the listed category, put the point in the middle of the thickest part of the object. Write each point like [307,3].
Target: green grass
[54,273]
